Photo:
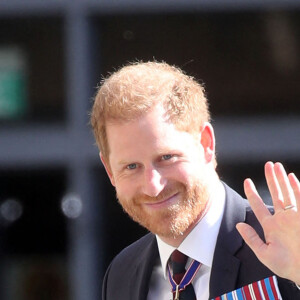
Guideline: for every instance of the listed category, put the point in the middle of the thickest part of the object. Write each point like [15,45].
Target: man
[152,126]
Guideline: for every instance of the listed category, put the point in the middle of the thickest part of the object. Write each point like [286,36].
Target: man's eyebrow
[123,162]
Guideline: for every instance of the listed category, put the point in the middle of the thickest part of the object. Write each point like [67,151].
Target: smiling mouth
[164,202]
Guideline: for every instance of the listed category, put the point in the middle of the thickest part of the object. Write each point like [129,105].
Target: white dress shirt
[198,245]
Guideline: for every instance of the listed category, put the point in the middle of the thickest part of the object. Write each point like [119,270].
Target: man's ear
[107,169]
[208,142]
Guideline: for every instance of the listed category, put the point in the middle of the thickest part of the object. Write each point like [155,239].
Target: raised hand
[281,251]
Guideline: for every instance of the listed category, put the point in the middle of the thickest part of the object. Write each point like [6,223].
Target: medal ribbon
[187,278]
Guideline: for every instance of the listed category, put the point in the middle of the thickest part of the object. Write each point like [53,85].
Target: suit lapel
[143,270]
[225,265]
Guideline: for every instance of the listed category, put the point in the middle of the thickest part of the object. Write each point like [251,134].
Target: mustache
[167,192]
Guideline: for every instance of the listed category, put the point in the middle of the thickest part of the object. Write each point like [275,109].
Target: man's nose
[154,182]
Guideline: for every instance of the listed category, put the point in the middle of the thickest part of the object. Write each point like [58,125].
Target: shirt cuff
[297,285]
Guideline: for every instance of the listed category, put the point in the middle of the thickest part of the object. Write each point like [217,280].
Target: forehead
[149,134]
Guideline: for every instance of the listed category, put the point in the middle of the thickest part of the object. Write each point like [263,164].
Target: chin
[172,228]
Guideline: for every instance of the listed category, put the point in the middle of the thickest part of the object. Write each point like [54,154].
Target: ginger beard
[173,220]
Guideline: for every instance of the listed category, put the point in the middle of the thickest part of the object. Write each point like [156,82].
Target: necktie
[181,280]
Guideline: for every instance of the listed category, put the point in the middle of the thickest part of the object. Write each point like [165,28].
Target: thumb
[252,239]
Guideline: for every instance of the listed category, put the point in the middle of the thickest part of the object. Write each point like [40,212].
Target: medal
[177,293]
[186,280]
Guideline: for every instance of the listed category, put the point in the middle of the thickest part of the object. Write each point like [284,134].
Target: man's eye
[131,166]
[167,157]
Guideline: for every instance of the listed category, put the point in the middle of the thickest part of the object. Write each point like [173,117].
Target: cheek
[184,173]
[125,190]
[191,173]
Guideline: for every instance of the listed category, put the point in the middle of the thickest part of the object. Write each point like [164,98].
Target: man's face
[159,173]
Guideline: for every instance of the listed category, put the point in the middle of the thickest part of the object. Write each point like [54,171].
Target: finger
[285,186]
[273,186]
[295,184]
[255,201]
[252,239]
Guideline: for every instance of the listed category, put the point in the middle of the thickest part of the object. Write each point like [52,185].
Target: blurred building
[60,224]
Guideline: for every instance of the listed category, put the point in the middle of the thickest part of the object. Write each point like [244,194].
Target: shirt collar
[201,241]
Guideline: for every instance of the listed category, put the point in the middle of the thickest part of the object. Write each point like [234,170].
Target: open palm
[281,250]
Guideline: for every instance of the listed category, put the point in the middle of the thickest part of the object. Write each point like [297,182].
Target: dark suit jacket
[234,264]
